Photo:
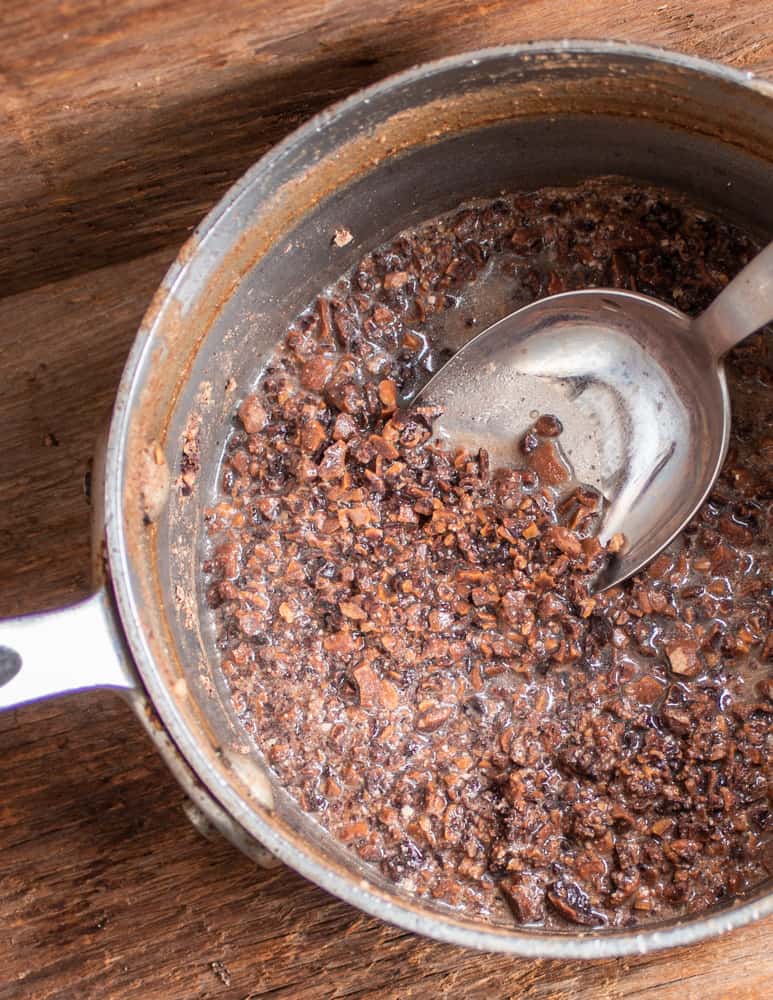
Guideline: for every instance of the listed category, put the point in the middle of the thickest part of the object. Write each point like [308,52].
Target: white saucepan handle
[56,652]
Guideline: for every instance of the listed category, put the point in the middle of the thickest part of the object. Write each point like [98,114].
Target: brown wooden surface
[120,124]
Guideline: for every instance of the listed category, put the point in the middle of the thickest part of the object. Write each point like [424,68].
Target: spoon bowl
[638,386]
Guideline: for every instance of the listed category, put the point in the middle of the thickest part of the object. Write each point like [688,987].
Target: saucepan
[406,149]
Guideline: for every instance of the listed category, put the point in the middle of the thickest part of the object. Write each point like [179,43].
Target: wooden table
[122,124]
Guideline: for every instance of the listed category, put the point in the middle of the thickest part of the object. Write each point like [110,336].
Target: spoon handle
[742,307]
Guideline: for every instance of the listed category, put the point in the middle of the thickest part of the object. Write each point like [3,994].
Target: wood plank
[64,346]
[122,123]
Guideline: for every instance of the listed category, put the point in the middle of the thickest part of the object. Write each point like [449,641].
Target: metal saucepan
[413,146]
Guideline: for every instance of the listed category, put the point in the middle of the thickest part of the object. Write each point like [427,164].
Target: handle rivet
[10,664]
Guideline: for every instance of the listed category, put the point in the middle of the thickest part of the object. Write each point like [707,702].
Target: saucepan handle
[73,649]
[81,648]
[741,308]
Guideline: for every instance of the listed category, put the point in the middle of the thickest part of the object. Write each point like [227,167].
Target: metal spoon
[640,390]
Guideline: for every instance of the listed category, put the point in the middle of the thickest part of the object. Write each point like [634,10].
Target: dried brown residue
[190,462]
[153,481]
[186,602]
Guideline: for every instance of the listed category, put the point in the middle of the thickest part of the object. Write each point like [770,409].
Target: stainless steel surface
[78,648]
[637,385]
[743,307]
[415,145]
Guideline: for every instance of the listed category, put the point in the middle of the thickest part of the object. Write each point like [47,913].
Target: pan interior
[262,256]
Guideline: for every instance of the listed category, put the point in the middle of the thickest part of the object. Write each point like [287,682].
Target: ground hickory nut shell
[412,638]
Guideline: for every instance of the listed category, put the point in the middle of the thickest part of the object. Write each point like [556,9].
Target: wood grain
[121,124]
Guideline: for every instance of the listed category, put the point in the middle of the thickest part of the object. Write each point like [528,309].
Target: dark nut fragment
[316,372]
[432,718]
[555,284]
[737,533]
[395,279]
[313,435]
[571,902]
[252,415]
[344,427]
[660,566]
[647,689]
[383,447]
[250,622]
[354,831]
[677,719]
[373,692]
[548,464]
[268,507]
[346,396]
[440,621]
[387,393]
[548,425]
[683,657]
[565,540]
[551,606]
[353,611]
[333,463]
[529,442]
[525,897]
[427,414]
[228,558]
[413,435]
[359,516]
[484,596]
[524,238]
[342,642]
